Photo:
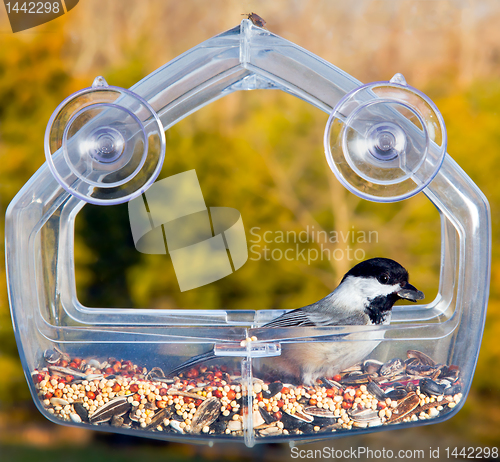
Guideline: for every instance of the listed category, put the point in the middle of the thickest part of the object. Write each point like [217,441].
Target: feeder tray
[105,145]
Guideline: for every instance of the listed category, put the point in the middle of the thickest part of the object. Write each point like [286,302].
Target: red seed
[90,395]
[348,397]
[285,391]
[203,369]
[259,397]
[63,363]
[198,402]
[73,365]
[210,377]
[280,403]
[231,394]
[58,393]
[109,370]
[381,405]
[188,400]
[313,402]
[346,405]
[137,397]
[193,373]
[358,393]
[37,378]
[278,415]
[128,365]
[69,378]
[48,395]
[330,392]
[161,404]
[117,366]
[337,378]
[163,391]
[218,374]
[217,393]
[134,388]
[223,368]
[77,361]
[116,387]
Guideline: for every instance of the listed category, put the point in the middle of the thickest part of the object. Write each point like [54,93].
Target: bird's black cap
[387,271]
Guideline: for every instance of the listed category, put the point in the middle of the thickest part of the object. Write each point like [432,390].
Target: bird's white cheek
[355,292]
[371,288]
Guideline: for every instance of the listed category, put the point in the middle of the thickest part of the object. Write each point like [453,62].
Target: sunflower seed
[429,387]
[407,404]
[65,371]
[273,389]
[453,390]
[355,379]
[91,377]
[81,411]
[174,391]
[397,393]
[317,412]
[155,373]
[300,415]
[371,366]
[117,406]
[51,356]
[392,367]
[364,416]
[422,357]
[157,419]
[206,414]
[376,391]
[268,418]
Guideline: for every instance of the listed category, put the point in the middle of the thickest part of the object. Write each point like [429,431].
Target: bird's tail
[192,361]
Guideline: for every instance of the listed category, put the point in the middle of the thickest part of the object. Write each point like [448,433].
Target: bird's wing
[307,317]
[291,319]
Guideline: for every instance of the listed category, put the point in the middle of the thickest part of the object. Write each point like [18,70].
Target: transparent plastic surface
[112,144]
[117,352]
[385,141]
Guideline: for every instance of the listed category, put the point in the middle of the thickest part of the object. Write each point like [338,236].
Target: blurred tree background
[262,153]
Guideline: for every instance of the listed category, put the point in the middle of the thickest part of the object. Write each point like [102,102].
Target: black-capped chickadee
[365,296]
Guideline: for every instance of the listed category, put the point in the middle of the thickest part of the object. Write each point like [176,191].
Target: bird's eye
[383,278]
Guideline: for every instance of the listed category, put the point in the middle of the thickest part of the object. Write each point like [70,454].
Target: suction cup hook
[385,141]
[104,144]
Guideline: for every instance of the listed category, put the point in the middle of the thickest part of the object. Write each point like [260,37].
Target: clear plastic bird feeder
[105,145]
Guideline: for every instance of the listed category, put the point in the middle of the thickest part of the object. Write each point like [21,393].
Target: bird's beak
[409,292]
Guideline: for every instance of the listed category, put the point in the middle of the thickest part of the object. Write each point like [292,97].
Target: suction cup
[104,144]
[385,141]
